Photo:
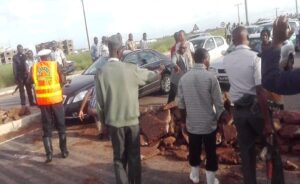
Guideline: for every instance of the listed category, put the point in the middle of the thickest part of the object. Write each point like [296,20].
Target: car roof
[204,37]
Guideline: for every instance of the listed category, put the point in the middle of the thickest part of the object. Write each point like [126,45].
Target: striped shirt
[200,95]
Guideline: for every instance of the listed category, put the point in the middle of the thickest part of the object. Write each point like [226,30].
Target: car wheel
[165,83]
[290,63]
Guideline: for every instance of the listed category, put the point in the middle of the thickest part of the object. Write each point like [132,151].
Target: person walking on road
[21,76]
[243,67]
[95,50]
[189,45]
[181,65]
[117,86]
[48,80]
[199,94]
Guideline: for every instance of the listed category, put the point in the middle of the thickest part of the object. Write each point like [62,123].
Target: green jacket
[117,85]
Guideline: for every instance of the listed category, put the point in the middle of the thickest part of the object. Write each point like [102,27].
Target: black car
[76,88]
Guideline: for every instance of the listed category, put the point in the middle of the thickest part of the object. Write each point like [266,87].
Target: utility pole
[276,9]
[86,28]
[246,12]
[296,8]
[238,8]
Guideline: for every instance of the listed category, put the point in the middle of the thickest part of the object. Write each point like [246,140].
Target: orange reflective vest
[46,83]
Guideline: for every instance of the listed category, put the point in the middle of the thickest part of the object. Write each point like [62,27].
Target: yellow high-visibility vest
[46,83]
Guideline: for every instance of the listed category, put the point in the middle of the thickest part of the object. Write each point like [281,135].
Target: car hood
[217,63]
[78,83]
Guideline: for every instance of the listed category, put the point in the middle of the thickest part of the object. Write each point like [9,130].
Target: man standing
[58,55]
[144,42]
[130,44]
[181,65]
[48,81]
[173,48]
[21,75]
[103,47]
[243,67]
[95,50]
[199,93]
[117,86]
[189,45]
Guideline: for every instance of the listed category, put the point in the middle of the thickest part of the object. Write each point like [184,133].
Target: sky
[29,22]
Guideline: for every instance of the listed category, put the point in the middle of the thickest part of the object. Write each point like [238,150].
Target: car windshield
[293,25]
[92,69]
[253,30]
[198,43]
[268,27]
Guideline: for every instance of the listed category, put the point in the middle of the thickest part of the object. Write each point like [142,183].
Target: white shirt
[104,52]
[243,67]
[188,44]
[95,51]
[29,63]
[58,55]
[143,44]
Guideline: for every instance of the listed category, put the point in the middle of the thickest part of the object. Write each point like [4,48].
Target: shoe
[211,177]
[48,148]
[194,174]
[63,145]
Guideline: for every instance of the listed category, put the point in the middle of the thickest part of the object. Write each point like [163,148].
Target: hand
[81,115]
[281,31]
[177,69]
[161,68]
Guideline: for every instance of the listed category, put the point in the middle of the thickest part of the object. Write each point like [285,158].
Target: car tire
[290,63]
[165,83]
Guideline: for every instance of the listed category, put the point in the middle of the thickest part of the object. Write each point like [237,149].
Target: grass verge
[6,75]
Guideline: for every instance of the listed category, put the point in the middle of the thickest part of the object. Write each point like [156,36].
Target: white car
[215,45]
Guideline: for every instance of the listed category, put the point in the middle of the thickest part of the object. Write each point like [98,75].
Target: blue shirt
[274,78]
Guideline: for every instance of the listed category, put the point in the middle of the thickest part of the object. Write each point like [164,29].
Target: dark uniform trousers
[249,126]
[23,83]
[53,114]
[126,149]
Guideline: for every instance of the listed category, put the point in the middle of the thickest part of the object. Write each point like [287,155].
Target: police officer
[48,81]
[21,76]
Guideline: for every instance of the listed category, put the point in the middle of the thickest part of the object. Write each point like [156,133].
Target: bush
[6,75]
[82,60]
[163,45]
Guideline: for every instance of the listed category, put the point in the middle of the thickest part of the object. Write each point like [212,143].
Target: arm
[99,97]
[145,75]
[15,69]
[83,104]
[62,78]
[217,97]
[276,80]
[181,102]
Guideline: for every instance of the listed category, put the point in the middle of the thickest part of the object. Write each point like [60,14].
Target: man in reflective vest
[48,80]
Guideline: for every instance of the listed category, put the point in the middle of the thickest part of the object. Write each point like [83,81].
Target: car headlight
[79,96]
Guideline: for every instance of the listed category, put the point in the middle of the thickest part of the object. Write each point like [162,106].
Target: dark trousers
[172,93]
[28,87]
[249,127]
[126,148]
[195,149]
[53,114]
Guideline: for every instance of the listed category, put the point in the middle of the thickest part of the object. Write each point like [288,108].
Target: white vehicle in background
[214,44]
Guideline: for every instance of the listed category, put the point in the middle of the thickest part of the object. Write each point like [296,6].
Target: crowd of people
[101,49]
[115,106]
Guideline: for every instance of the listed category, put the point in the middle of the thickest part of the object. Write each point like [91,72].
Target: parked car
[75,90]
[292,24]
[286,60]
[214,44]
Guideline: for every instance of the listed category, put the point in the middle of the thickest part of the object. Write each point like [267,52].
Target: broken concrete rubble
[13,114]
[164,124]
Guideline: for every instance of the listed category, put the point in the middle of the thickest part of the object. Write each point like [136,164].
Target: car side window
[131,58]
[146,58]
[219,41]
[210,44]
